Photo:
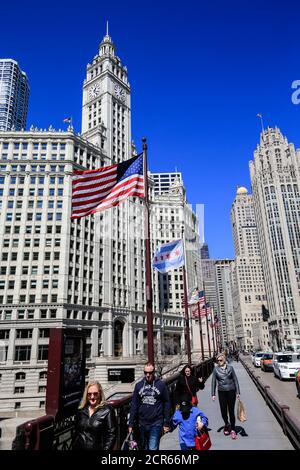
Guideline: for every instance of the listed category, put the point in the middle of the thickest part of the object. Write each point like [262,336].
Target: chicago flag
[169,256]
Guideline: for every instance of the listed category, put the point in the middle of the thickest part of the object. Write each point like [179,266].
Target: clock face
[120,93]
[94,91]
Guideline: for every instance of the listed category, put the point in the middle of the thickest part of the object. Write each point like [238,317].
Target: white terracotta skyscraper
[275,178]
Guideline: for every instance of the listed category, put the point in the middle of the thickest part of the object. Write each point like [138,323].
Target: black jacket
[97,432]
[226,379]
[182,390]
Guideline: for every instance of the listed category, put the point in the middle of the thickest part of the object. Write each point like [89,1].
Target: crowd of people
[150,413]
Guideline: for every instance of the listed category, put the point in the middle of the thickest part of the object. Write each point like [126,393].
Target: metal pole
[208,337]
[186,308]
[200,331]
[148,260]
[212,333]
[199,319]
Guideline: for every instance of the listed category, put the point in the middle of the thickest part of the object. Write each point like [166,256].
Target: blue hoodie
[150,404]
[187,427]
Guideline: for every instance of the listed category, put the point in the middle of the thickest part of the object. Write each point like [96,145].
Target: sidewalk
[261,431]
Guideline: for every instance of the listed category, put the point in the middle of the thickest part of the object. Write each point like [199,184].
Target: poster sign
[66,371]
[124,375]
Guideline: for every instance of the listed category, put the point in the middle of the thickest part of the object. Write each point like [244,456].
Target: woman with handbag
[228,390]
[188,385]
[95,424]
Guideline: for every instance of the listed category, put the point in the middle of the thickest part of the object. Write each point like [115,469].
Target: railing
[289,423]
[45,433]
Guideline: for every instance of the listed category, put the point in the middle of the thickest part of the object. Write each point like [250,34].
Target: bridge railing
[45,433]
[289,423]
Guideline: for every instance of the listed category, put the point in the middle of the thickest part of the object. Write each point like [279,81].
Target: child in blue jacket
[189,418]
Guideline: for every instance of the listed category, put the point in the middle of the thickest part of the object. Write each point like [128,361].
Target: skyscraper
[247,274]
[225,303]
[14,95]
[275,178]
[163,181]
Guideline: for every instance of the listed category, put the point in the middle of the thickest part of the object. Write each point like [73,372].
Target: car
[286,364]
[298,382]
[266,362]
[257,357]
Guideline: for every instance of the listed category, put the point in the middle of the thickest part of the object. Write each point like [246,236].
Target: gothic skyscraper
[275,178]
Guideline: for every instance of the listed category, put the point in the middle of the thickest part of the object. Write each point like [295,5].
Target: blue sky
[200,71]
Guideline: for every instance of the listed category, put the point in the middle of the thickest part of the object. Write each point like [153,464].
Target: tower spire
[107,28]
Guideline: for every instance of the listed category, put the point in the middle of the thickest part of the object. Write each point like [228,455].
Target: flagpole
[200,331]
[208,337]
[200,322]
[186,308]
[149,306]
[212,331]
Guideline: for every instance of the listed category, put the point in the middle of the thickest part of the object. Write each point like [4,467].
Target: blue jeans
[150,437]
[185,447]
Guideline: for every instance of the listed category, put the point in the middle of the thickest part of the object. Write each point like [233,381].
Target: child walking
[189,418]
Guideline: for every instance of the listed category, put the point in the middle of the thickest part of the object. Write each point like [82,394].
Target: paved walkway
[261,431]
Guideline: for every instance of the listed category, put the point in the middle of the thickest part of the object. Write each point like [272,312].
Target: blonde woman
[95,426]
[228,390]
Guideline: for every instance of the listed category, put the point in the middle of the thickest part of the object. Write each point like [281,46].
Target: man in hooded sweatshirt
[150,409]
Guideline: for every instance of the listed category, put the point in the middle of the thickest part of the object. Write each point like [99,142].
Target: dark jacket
[150,404]
[182,391]
[97,432]
[226,378]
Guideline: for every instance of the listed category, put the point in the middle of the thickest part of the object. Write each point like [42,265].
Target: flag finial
[262,124]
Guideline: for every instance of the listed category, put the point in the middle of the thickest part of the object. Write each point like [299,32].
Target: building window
[43,375]
[43,352]
[20,376]
[22,353]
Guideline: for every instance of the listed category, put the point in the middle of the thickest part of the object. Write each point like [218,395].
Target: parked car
[266,362]
[298,382]
[286,364]
[257,357]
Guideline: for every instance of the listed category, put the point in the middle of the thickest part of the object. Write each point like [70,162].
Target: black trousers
[227,402]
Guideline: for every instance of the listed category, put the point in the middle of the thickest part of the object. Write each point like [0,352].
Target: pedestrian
[188,385]
[95,423]
[189,418]
[150,409]
[228,390]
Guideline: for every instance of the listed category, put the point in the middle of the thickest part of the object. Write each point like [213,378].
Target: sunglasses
[95,394]
[220,360]
[149,373]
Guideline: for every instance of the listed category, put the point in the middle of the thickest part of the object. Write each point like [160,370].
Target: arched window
[43,375]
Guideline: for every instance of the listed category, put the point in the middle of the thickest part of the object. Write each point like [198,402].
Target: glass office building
[14,94]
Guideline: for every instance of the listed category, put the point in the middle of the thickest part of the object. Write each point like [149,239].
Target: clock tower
[106,119]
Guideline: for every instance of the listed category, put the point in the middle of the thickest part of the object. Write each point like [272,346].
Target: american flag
[215,322]
[97,190]
[195,297]
[205,309]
